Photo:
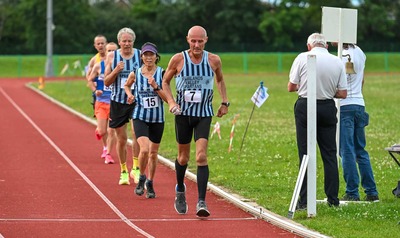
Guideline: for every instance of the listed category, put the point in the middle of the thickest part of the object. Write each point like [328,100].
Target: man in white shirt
[331,83]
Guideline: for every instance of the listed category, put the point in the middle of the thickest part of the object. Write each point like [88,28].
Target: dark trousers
[326,139]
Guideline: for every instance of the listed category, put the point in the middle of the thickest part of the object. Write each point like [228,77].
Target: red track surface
[53,183]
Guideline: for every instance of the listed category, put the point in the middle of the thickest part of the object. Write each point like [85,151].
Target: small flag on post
[232,132]
[216,130]
[260,96]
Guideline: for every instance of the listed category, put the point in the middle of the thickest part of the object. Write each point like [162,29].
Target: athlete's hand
[120,66]
[131,99]
[176,110]
[222,110]
[98,93]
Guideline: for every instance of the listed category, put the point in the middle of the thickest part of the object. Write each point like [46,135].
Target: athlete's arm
[90,67]
[128,84]
[91,78]
[109,74]
[171,70]
[216,65]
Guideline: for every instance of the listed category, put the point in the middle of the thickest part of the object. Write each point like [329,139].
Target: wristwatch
[226,104]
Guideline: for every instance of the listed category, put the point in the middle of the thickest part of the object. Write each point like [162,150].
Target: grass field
[235,63]
[266,168]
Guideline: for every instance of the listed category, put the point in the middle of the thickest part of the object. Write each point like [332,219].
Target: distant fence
[235,63]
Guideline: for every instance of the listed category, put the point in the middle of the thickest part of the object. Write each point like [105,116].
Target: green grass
[266,169]
[233,63]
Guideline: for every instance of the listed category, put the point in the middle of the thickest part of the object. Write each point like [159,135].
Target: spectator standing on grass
[353,120]
[148,115]
[102,105]
[331,83]
[119,64]
[99,44]
[194,70]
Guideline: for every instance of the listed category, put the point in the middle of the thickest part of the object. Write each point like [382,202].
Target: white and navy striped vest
[118,92]
[194,87]
[149,106]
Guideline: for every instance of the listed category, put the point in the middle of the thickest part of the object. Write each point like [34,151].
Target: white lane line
[118,220]
[105,199]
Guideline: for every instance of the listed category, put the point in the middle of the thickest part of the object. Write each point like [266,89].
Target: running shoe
[202,210]
[139,190]
[103,155]
[150,190]
[180,205]
[108,159]
[135,173]
[124,179]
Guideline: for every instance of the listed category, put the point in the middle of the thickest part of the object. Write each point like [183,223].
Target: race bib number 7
[192,96]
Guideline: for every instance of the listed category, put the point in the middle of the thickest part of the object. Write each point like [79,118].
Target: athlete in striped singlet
[99,44]
[118,66]
[148,115]
[194,72]
[102,106]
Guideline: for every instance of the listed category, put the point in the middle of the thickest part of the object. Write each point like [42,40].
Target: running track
[53,183]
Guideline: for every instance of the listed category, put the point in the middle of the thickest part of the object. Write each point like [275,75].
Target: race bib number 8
[192,96]
[150,102]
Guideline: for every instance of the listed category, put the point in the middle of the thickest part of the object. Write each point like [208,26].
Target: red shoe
[104,154]
[108,159]
[98,136]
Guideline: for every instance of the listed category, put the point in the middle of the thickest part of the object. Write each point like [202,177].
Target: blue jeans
[353,120]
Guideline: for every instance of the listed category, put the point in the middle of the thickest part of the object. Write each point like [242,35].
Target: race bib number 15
[150,102]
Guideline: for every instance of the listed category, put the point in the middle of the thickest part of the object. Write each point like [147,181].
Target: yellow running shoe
[124,179]
[135,174]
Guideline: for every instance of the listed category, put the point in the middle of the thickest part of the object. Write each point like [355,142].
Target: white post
[299,183]
[312,135]
[49,40]
[337,101]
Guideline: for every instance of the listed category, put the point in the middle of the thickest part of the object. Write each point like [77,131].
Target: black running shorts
[120,114]
[185,126]
[153,131]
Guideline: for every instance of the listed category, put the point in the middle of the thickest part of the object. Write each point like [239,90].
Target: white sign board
[339,24]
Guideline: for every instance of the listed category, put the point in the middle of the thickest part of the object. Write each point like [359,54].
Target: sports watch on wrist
[226,104]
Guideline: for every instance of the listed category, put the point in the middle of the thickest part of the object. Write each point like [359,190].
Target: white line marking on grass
[91,184]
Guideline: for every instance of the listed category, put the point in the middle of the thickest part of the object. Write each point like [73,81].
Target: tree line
[232,25]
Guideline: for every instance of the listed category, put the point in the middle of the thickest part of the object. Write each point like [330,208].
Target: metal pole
[49,43]
[312,135]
